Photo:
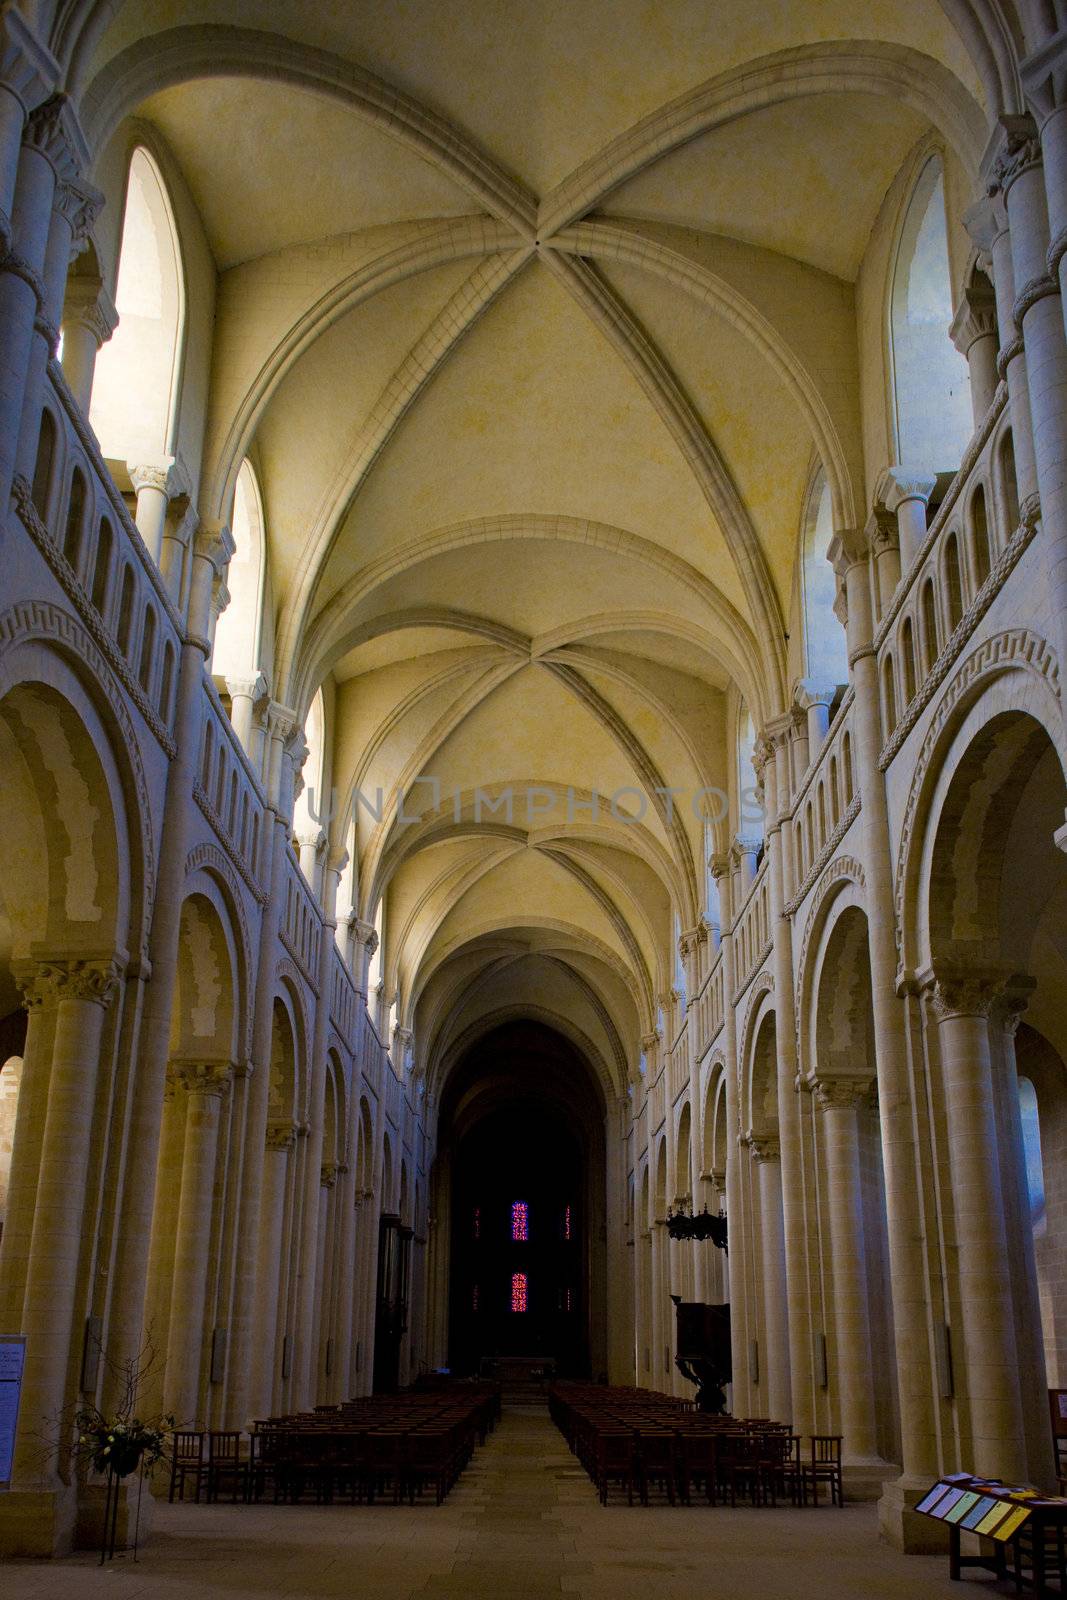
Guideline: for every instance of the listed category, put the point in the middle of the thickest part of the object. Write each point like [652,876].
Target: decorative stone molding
[328,1173]
[998,577]
[1014,1001]
[1016,648]
[827,853]
[72,587]
[214,542]
[37,620]
[846,869]
[976,318]
[27,69]
[1007,353]
[218,827]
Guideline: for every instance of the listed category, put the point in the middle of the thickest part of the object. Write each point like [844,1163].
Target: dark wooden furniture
[186,1461]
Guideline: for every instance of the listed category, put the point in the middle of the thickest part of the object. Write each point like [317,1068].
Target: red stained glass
[520,1221]
[567,1223]
[518,1291]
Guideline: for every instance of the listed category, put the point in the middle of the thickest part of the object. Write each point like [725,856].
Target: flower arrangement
[120,1445]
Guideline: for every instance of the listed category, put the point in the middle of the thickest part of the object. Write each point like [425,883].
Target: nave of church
[533,816]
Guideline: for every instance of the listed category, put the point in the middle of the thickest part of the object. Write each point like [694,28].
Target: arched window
[1035,1170]
[981,552]
[750,811]
[102,568]
[311,811]
[42,468]
[932,412]
[138,371]
[930,646]
[72,538]
[238,634]
[889,697]
[907,655]
[825,647]
[953,583]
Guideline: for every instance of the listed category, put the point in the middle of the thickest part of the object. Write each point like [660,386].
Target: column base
[89,1531]
[901,1526]
[865,1477]
[38,1523]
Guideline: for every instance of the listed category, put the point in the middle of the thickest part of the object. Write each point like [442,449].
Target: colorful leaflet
[962,1506]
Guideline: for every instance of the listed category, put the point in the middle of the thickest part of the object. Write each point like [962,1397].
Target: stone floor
[524,1523]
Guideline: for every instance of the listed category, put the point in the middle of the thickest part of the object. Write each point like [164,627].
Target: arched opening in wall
[187,1216]
[1043,1116]
[273,1355]
[981,550]
[861,1355]
[750,810]
[65,898]
[138,371]
[311,814]
[997,910]
[931,386]
[237,654]
[769,1361]
[522,1119]
[825,646]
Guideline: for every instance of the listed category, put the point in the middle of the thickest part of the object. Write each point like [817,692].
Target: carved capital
[53,130]
[986,220]
[87,304]
[79,204]
[55,979]
[882,530]
[1021,152]
[842,1094]
[898,484]
[976,318]
[719,864]
[964,990]
[203,1077]
[848,547]
[328,1174]
[808,693]
[1013,1001]
[764,1146]
[281,1135]
[254,689]
[214,542]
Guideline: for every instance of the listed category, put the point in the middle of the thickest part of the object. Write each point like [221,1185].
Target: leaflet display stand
[1004,1515]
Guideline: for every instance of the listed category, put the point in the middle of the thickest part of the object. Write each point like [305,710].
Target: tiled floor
[524,1523]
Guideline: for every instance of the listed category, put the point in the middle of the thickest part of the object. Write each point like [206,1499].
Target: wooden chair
[739,1466]
[657,1458]
[186,1461]
[824,1467]
[780,1465]
[697,1463]
[226,1465]
[614,1460]
[383,1465]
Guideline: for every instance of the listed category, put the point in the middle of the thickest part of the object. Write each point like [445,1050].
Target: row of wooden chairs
[390,1447]
[649,1445]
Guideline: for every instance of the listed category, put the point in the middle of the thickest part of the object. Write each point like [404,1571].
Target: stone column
[364,943]
[326,1276]
[156,484]
[740,1331]
[164,1223]
[962,1001]
[974,333]
[745,852]
[1038,316]
[89,320]
[39,999]
[53,153]
[797,1395]
[83,990]
[148,1082]
[205,1085]
[275,822]
[907,495]
[308,1248]
[815,702]
[661,1375]
[281,1136]
[1022,1262]
[839,1099]
[911,1316]
[245,694]
[311,843]
[1044,77]
[766,1153]
[884,538]
[27,74]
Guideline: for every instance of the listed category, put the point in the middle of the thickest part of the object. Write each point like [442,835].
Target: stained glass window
[518,1291]
[567,1223]
[520,1221]
[474,1298]
[477,1223]
[567,1300]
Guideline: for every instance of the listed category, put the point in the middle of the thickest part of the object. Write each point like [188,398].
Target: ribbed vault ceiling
[534,318]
